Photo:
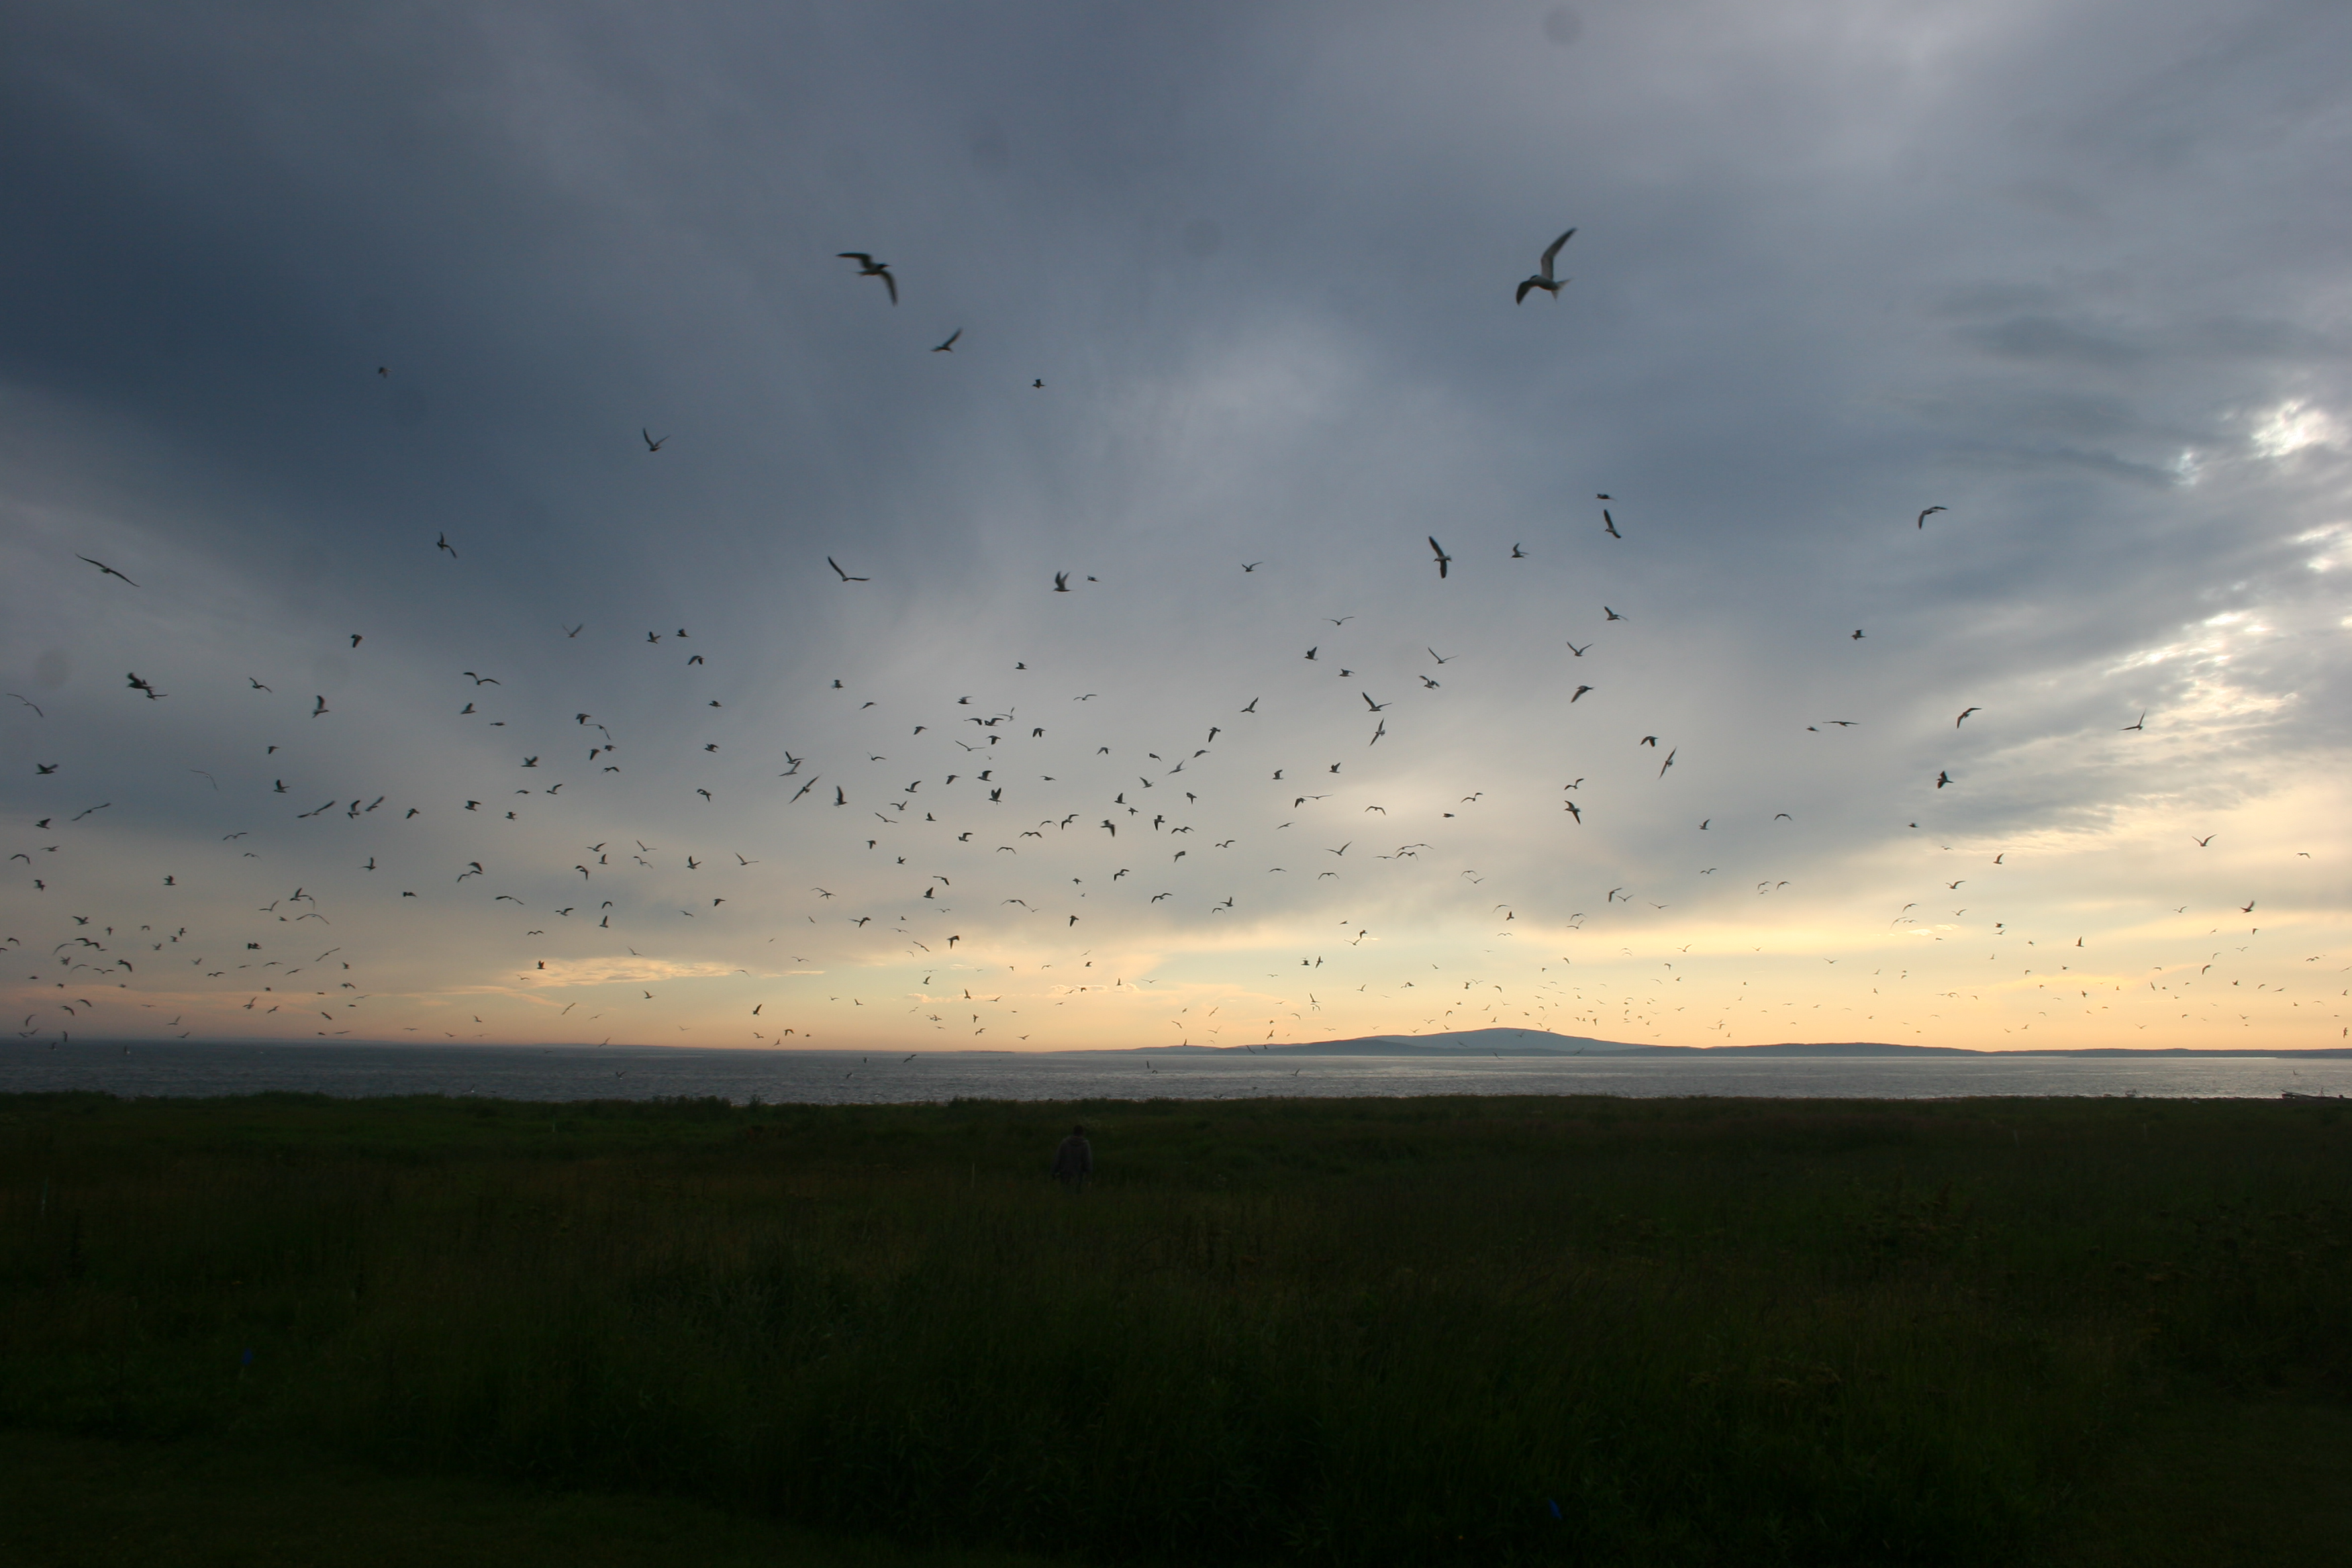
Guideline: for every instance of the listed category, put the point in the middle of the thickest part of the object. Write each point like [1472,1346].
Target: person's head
[1078,1131]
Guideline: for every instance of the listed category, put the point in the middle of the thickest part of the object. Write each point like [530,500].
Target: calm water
[571,1072]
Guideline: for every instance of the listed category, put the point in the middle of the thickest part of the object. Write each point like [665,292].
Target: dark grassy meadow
[1369,1332]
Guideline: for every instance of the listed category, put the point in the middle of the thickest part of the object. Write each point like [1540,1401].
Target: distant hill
[1463,1042]
[1543,1043]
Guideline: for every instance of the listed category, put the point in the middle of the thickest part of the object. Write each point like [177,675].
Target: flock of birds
[1126,832]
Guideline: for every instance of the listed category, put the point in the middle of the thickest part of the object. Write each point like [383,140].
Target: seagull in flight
[845,576]
[442,542]
[1964,713]
[651,444]
[1444,559]
[1543,279]
[1930,512]
[2139,723]
[869,268]
[946,348]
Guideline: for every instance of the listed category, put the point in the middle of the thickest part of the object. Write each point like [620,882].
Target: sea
[852,1078]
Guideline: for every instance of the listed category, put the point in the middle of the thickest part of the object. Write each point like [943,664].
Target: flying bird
[1444,559]
[1543,279]
[1930,512]
[869,268]
[1060,585]
[1608,525]
[651,444]
[105,570]
[1964,713]
[947,347]
[2139,723]
[442,542]
[843,575]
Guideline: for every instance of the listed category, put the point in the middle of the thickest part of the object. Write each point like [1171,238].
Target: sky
[1895,589]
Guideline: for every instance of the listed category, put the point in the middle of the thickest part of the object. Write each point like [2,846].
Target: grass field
[1372,1332]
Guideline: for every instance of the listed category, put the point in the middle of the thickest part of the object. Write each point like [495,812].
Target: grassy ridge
[1348,1331]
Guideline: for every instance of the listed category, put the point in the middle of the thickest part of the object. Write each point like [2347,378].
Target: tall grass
[1569,1330]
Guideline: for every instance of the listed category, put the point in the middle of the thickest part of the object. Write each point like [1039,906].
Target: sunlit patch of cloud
[2216,702]
[2291,426]
[2335,546]
[2209,645]
[609,970]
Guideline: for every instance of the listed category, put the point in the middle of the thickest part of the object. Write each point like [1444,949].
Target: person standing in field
[1074,1160]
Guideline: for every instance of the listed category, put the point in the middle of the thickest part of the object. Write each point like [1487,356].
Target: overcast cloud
[2073,273]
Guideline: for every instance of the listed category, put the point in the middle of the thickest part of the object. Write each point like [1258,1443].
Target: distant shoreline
[1469,1046]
